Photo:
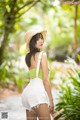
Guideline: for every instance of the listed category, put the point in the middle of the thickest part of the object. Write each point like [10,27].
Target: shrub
[69,96]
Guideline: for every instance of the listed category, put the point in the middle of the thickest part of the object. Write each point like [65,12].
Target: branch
[27,10]
[26,4]
[13,7]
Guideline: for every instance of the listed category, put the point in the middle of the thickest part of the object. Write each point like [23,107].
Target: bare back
[43,65]
[34,60]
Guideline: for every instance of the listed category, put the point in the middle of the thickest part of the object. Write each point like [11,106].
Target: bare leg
[43,112]
[31,115]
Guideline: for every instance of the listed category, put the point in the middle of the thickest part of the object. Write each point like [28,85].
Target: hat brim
[28,38]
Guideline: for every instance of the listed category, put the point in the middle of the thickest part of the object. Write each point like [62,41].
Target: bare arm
[44,65]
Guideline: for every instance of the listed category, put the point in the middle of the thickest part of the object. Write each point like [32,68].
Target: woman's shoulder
[44,55]
[44,58]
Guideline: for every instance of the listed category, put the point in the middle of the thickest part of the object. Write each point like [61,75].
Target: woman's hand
[51,107]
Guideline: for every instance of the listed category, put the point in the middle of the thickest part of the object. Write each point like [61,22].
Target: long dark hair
[32,48]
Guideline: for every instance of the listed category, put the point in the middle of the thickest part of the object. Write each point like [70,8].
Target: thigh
[31,115]
[43,112]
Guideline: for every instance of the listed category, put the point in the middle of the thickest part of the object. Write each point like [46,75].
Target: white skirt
[34,94]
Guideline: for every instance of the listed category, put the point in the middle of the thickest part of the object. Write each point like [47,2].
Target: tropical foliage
[69,95]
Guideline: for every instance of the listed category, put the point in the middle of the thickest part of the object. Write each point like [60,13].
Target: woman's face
[39,43]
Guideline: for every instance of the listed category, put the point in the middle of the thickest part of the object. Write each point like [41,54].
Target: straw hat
[30,33]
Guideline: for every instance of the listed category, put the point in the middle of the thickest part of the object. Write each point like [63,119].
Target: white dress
[34,93]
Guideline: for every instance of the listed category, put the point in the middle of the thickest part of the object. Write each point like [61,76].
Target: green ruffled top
[32,73]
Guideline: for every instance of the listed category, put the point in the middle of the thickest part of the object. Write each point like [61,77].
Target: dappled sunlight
[61,20]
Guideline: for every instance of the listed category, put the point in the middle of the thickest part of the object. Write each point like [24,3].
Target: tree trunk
[4,44]
[8,28]
[75,42]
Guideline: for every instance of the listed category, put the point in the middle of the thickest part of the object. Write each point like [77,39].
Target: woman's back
[34,61]
[34,65]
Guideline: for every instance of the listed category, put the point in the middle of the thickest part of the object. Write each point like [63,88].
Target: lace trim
[37,106]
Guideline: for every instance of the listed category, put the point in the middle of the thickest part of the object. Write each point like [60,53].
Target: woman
[36,96]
